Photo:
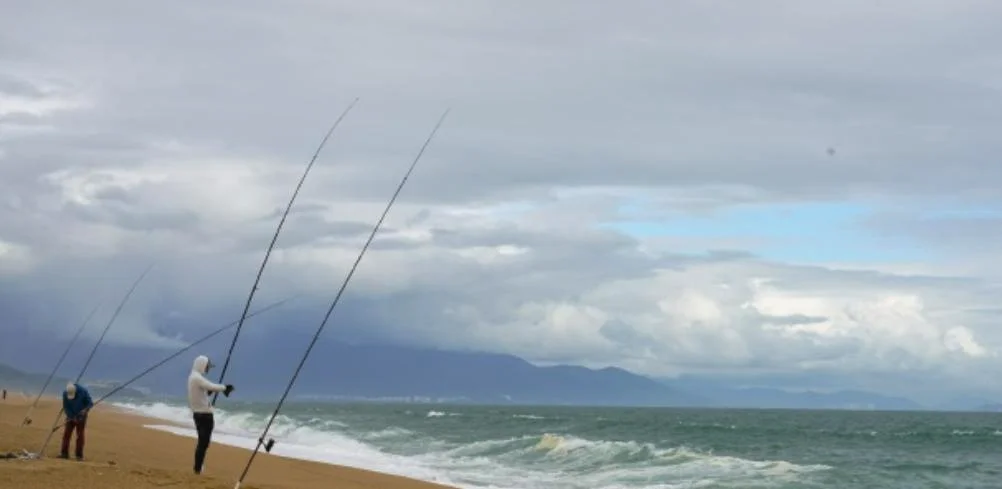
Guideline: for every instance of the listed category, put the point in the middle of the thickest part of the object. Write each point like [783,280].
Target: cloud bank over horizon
[648,186]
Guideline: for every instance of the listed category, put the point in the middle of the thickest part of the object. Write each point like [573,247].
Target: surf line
[178,353]
[274,238]
[351,272]
[55,422]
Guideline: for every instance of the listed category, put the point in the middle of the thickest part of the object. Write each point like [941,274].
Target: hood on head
[201,364]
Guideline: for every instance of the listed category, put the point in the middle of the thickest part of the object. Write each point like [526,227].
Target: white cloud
[14,258]
[707,315]
[35,107]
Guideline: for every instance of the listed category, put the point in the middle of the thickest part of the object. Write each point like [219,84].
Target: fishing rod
[55,422]
[183,350]
[268,446]
[271,246]
[27,416]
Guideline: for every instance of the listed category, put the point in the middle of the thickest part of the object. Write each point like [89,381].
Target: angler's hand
[228,390]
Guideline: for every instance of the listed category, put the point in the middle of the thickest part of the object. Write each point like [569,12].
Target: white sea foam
[292,440]
[527,416]
[530,461]
[439,414]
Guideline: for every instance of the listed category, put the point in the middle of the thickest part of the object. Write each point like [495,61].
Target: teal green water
[583,448]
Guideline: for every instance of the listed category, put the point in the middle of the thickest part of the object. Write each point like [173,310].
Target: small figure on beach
[5,394]
[201,409]
[76,403]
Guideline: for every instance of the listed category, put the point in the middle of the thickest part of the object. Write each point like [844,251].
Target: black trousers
[204,424]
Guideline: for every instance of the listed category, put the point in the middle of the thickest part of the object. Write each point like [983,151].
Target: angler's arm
[68,408]
[209,386]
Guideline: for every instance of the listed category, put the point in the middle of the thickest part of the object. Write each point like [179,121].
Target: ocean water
[616,448]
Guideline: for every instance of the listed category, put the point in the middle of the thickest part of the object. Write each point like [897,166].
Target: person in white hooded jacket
[201,409]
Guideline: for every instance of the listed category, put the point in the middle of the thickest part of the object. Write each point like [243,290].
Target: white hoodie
[199,387]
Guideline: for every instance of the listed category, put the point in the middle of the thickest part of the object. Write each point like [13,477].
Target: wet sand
[121,454]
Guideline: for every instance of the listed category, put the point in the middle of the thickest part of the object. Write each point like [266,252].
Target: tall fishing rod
[27,416]
[274,238]
[330,310]
[55,422]
[178,353]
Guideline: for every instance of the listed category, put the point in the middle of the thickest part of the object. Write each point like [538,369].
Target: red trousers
[71,426]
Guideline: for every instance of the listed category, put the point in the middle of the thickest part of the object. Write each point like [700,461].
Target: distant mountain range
[375,371]
[970,403]
[724,395]
[339,371]
[14,380]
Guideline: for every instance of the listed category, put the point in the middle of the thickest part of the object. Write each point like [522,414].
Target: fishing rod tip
[441,119]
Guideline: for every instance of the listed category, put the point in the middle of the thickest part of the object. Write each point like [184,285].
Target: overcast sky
[775,187]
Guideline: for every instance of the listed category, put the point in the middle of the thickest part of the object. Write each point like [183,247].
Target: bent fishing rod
[274,238]
[178,353]
[55,422]
[27,416]
[351,272]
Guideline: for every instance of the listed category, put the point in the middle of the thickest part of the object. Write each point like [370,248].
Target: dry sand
[121,454]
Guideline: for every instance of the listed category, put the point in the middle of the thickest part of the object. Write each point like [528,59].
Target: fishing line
[271,246]
[100,340]
[27,415]
[330,310]
[185,349]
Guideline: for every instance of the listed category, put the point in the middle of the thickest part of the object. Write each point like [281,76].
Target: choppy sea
[617,448]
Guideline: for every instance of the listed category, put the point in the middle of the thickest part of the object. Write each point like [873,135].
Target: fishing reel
[267,445]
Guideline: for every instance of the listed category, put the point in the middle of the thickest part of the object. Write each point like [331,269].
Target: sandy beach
[122,454]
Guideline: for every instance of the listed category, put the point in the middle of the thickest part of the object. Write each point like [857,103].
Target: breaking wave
[529,461]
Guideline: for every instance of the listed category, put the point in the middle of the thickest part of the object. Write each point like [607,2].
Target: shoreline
[172,422]
[125,450]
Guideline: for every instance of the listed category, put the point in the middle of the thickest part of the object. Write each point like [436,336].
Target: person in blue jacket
[76,403]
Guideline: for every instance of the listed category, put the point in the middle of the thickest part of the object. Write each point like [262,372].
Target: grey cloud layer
[549,94]
[130,134]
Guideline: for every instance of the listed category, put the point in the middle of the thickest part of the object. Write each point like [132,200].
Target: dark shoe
[64,456]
